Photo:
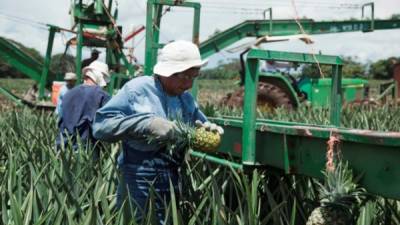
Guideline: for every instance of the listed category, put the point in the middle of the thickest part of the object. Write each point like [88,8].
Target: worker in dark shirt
[94,56]
[79,107]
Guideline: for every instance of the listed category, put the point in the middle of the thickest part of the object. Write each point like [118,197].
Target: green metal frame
[24,63]
[251,84]
[153,20]
[28,65]
[11,96]
[292,147]
[94,15]
[47,60]
[259,28]
[85,15]
[297,148]
[371,4]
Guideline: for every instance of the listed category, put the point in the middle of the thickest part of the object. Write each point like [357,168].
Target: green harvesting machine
[292,148]
[94,25]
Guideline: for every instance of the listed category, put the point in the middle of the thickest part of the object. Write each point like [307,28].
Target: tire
[268,95]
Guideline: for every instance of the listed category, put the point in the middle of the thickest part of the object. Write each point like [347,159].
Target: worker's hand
[162,129]
[210,126]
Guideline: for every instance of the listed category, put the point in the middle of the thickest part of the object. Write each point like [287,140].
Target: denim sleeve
[193,107]
[199,115]
[120,118]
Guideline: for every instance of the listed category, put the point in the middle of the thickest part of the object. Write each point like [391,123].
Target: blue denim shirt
[78,109]
[127,115]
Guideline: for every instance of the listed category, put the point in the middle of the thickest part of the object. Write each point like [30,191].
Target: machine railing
[259,28]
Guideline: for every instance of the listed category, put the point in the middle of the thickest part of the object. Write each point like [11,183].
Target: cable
[141,8]
[23,19]
[250,5]
[36,24]
[300,2]
[303,32]
[231,12]
[261,8]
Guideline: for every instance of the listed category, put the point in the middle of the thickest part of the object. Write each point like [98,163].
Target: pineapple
[204,140]
[198,138]
[187,137]
[340,198]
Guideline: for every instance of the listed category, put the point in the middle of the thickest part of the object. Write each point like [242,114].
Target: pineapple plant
[340,198]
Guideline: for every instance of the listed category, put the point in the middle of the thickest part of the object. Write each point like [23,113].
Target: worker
[93,57]
[32,94]
[144,106]
[70,79]
[79,106]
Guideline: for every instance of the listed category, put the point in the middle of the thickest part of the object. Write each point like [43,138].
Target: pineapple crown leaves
[183,132]
[340,188]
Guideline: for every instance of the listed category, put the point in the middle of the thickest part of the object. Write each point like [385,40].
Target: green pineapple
[340,198]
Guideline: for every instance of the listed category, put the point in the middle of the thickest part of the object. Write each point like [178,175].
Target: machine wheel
[269,96]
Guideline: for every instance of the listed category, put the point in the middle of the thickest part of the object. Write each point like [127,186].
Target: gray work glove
[162,129]
[210,126]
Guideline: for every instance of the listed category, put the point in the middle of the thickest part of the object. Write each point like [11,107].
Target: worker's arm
[193,107]
[124,116]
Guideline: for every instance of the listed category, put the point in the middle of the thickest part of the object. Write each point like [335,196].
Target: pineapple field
[293,138]
[41,186]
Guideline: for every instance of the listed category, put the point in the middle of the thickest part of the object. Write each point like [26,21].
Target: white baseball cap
[176,57]
[98,72]
[70,76]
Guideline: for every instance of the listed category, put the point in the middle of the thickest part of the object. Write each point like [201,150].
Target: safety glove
[210,126]
[207,136]
[162,129]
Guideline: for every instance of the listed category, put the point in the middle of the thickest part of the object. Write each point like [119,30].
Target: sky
[23,20]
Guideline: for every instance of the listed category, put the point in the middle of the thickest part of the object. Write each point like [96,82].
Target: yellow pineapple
[185,136]
[204,140]
[197,138]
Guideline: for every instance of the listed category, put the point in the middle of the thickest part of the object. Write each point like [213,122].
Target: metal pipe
[46,66]
[270,18]
[78,58]
[250,112]
[336,95]
[372,14]
[217,160]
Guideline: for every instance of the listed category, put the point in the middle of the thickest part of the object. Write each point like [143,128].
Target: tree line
[381,69]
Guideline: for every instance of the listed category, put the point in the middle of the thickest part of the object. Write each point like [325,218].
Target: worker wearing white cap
[145,106]
[79,106]
[70,80]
